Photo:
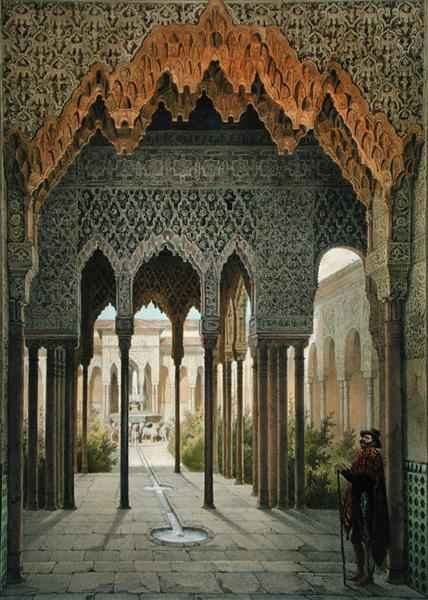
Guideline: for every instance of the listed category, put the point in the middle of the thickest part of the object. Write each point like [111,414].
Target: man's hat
[375,433]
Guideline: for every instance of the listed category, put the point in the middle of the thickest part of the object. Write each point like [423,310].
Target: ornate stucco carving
[130,217]
[257,65]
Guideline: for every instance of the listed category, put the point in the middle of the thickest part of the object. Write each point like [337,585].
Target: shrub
[322,453]
[191,442]
[193,453]
[101,450]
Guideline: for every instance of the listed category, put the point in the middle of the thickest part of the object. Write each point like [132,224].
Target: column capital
[33,348]
[209,342]
[210,324]
[124,326]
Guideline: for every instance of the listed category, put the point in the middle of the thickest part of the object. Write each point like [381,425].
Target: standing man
[365,510]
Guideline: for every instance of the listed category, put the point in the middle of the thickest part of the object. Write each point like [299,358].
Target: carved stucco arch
[245,54]
[176,244]
[246,255]
[91,246]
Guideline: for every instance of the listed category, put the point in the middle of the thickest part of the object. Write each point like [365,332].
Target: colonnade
[59,425]
[270,481]
[270,474]
[342,410]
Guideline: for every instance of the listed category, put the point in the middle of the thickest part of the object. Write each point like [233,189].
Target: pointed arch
[245,253]
[89,249]
[177,245]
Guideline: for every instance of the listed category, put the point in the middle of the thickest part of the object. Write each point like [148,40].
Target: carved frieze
[279,229]
[256,65]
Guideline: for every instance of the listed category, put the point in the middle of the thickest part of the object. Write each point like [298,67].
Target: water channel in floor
[175,534]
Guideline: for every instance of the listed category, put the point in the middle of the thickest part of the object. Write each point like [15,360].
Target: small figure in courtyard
[365,509]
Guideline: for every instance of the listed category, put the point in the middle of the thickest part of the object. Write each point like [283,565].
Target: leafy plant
[101,450]
[191,442]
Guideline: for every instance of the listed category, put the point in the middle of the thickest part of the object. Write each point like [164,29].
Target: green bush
[193,454]
[322,453]
[191,442]
[101,450]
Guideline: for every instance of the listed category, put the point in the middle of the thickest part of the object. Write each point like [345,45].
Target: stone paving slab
[98,552]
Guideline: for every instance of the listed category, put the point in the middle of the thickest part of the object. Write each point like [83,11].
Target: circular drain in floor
[188,535]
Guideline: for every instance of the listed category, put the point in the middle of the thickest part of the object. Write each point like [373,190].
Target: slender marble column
[262,395]
[310,389]
[61,424]
[155,392]
[227,374]
[255,415]
[33,413]
[215,416]
[177,462]
[15,420]
[273,426]
[340,405]
[75,410]
[209,345]
[323,399]
[299,467]
[107,410]
[69,424]
[239,467]
[346,412]
[224,412]
[394,440]
[369,402]
[282,428]
[57,387]
[124,347]
[382,409]
[85,387]
[50,431]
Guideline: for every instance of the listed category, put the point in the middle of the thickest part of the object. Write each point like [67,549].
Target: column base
[51,507]
[263,505]
[32,506]
[13,577]
[283,506]
[124,507]
[208,505]
[396,577]
[70,506]
[238,482]
[177,470]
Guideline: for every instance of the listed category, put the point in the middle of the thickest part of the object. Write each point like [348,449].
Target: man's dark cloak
[365,507]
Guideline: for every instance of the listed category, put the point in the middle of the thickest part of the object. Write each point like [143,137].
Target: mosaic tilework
[3,527]
[417,524]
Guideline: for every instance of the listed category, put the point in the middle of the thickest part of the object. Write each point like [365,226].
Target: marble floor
[98,552]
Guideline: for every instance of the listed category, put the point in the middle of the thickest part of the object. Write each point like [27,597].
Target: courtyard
[99,552]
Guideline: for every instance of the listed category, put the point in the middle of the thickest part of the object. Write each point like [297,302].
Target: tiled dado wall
[417,524]
[3,526]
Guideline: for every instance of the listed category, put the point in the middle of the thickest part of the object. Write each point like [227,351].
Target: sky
[149,313]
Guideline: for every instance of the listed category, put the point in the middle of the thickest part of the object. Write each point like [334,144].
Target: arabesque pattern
[257,65]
